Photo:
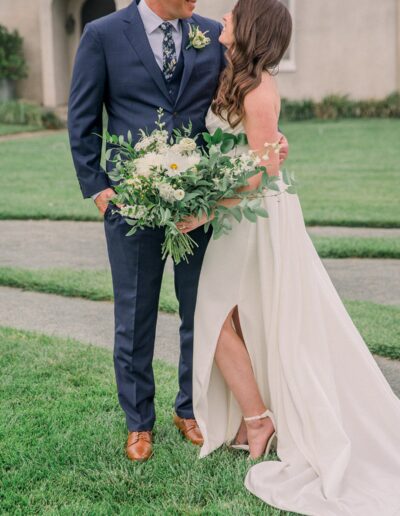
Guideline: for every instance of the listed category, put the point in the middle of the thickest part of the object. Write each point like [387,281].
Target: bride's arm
[261,126]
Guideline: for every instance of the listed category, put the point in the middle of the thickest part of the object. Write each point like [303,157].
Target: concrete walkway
[92,322]
[81,245]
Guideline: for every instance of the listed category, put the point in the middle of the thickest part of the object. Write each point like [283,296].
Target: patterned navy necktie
[169,51]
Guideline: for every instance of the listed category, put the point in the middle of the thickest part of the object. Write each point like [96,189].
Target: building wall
[24,16]
[345,46]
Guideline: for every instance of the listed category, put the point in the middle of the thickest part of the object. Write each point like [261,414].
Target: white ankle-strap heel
[267,413]
[271,440]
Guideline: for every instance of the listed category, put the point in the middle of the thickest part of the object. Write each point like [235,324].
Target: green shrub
[50,120]
[336,107]
[12,61]
[27,113]
[22,113]
[297,109]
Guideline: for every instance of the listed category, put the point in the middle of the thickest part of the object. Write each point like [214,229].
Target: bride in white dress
[275,352]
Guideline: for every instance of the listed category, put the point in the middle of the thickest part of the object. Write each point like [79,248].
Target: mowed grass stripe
[357,247]
[379,324]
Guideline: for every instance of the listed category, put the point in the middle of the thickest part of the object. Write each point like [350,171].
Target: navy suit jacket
[115,67]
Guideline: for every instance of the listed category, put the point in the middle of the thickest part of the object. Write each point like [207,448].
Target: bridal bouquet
[162,180]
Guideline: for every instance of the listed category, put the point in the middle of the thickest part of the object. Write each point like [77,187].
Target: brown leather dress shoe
[189,429]
[139,446]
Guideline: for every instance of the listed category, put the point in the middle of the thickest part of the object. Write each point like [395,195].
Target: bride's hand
[284,148]
[191,223]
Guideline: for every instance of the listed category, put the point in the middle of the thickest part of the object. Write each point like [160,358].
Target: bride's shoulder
[265,95]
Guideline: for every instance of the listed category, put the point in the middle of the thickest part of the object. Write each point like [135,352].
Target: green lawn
[356,247]
[62,435]
[6,129]
[379,324]
[348,172]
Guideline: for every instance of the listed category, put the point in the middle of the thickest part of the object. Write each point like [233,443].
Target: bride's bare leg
[241,436]
[233,361]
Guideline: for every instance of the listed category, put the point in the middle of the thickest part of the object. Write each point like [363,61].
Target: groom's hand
[103,199]
[284,149]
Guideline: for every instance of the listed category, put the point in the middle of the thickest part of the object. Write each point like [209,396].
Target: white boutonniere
[197,38]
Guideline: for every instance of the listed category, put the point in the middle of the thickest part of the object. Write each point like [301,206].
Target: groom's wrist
[94,196]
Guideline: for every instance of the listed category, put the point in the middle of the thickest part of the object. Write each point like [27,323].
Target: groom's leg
[186,283]
[137,270]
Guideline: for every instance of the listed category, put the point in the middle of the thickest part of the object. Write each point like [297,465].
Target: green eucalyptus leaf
[274,186]
[285,177]
[227,146]
[131,232]
[207,137]
[261,212]
[242,139]
[237,213]
[131,222]
[217,136]
[226,223]
[249,214]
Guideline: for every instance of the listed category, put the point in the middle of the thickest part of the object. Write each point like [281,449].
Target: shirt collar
[151,20]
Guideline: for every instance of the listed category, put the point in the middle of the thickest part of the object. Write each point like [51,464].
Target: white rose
[179,194]
[187,145]
[166,192]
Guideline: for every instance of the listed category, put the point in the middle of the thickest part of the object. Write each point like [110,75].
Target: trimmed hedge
[12,61]
[26,113]
[335,107]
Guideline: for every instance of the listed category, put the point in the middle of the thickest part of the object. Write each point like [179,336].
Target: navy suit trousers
[137,270]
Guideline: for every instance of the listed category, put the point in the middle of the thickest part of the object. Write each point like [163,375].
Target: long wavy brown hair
[262,33]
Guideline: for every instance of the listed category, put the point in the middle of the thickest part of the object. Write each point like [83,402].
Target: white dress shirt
[155,35]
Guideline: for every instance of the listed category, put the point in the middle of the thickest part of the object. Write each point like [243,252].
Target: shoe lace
[144,435]
[191,424]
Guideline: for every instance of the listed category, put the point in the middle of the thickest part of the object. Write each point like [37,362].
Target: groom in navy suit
[133,62]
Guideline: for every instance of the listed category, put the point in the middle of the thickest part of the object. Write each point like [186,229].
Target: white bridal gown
[338,421]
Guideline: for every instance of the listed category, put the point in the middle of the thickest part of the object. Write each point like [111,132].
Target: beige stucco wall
[346,46]
[24,16]
[343,46]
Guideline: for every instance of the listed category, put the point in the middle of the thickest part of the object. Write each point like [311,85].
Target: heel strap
[267,413]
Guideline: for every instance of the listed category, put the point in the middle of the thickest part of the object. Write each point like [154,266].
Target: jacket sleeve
[85,113]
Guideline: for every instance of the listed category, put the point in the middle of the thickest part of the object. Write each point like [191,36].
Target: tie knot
[166,27]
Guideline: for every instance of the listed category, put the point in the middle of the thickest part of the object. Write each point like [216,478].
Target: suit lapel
[137,37]
[189,56]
